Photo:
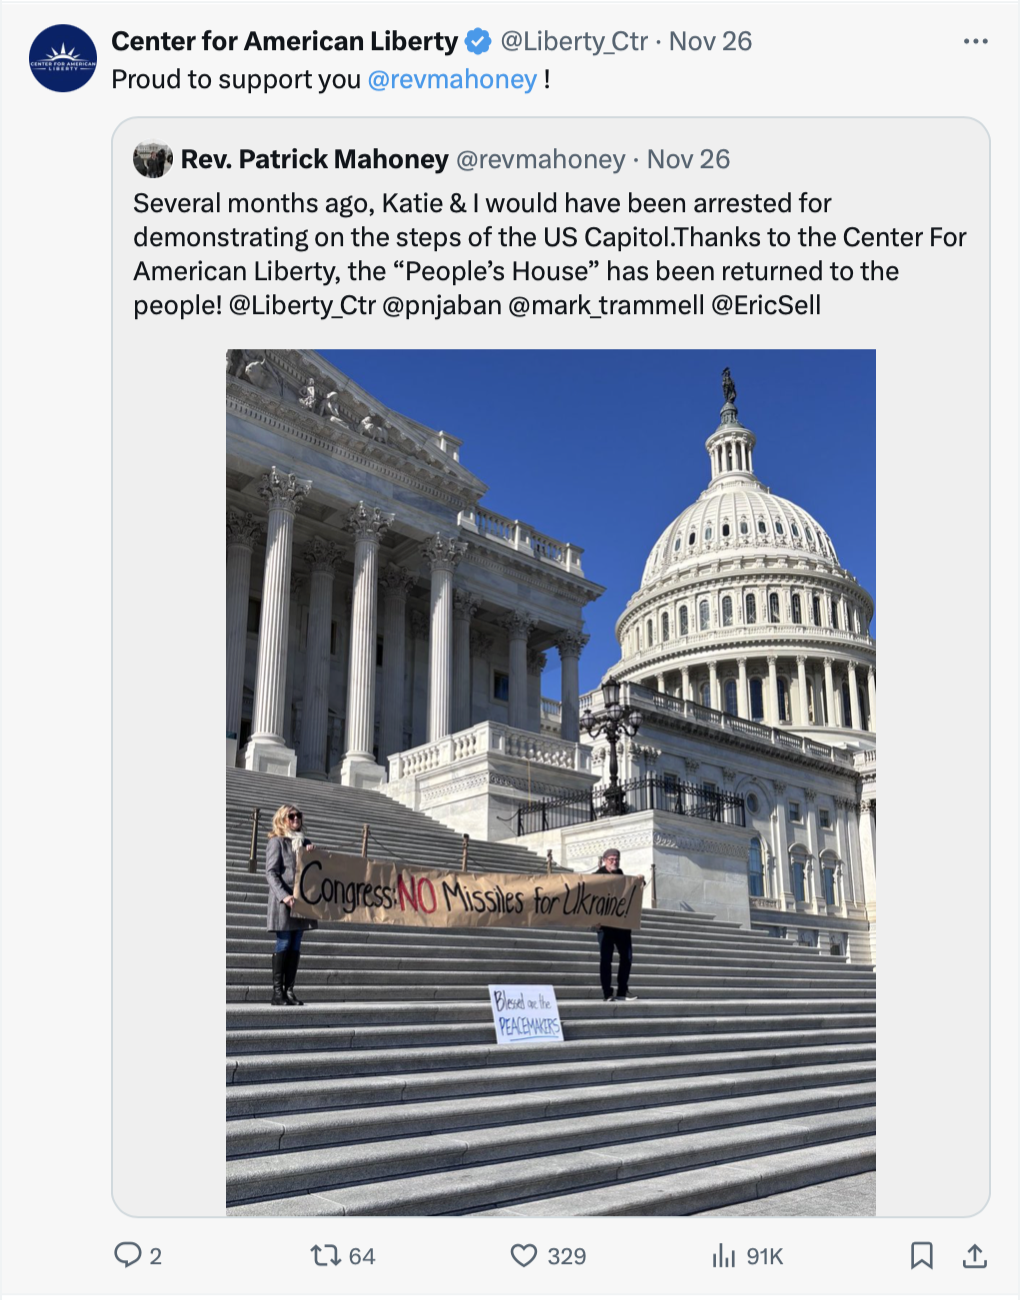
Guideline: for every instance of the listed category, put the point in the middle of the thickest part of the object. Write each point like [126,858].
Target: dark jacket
[601,870]
[280,870]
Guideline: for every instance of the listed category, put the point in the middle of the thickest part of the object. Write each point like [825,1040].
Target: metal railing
[645,794]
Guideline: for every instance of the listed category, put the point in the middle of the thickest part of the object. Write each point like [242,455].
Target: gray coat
[280,869]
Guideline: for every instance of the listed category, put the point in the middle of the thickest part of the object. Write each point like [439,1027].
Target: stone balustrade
[490,738]
[642,698]
[522,537]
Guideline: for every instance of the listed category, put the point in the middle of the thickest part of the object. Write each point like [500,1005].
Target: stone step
[694,1191]
[254,985]
[686,1053]
[533,1094]
[510,962]
[328,948]
[333,1015]
[287,1039]
[252,916]
[643,1110]
[469,1187]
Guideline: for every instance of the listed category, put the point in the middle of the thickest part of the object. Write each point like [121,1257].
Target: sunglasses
[294,817]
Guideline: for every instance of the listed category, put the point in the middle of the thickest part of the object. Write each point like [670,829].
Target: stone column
[517,624]
[465,607]
[359,767]
[872,703]
[322,558]
[773,716]
[570,646]
[851,680]
[830,720]
[715,690]
[801,669]
[397,584]
[536,668]
[339,680]
[780,841]
[443,555]
[743,689]
[243,532]
[267,750]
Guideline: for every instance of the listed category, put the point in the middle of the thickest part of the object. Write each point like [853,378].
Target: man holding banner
[614,936]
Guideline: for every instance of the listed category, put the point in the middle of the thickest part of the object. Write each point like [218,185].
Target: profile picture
[152,158]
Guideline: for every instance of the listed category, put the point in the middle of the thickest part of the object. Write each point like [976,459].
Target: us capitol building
[385,630]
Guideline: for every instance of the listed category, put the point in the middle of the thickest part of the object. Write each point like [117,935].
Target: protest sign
[525,1013]
[339,887]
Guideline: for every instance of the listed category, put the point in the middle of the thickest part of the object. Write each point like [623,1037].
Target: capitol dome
[745,608]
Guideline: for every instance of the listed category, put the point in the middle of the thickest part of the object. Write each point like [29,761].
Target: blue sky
[604,449]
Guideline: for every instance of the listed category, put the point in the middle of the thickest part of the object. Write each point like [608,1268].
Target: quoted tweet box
[719,234]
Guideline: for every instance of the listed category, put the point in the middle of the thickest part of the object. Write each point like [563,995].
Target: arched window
[798,873]
[683,620]
[778,528]
[795,530]
[692,538]
[751,607]
[783,700]
[848,616]
[864,715]
[708,533]
[705,694]
[797,608]
[744,527]
[704,615]
[678,544]
[731,697]
[638,637]
[761,526]
[649,632]
[726,529]
[773,609]
[728,456]
[726,611]
[665,626]
[834,613]
[815,606]
[756,869]
[756,699]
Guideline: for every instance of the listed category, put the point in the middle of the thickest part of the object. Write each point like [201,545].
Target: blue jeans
[288,940]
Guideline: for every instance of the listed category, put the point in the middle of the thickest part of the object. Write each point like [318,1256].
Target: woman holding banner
[284,842]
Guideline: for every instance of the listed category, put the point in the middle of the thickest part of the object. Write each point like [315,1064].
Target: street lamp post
[611,722]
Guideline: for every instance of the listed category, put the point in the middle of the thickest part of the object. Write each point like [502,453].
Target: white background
[933,520]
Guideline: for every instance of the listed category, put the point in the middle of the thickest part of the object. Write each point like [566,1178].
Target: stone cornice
[337,440]
[530,572]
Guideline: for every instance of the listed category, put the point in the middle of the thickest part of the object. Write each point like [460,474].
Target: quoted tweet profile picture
[62,57]
[152,158]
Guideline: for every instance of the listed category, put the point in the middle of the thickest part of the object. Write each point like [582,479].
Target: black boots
[278,970]
[292,962]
